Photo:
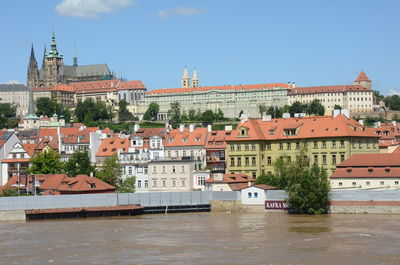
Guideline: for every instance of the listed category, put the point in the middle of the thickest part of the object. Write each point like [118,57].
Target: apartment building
[171,175]
[256,144]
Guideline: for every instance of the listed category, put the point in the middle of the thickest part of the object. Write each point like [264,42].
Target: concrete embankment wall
[12,215]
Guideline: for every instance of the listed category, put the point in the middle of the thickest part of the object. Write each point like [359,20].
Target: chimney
[181,127]
[209,128]
[218,177]
[91,174]
[249,183]
[286,115]
[244,118]
[394,123]
[294,85]
[136,127]
[191,128]
[228,128]
[361,122]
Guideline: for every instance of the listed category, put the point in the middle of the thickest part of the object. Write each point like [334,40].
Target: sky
[228,42]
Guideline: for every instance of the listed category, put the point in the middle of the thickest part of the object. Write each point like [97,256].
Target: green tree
[184,116]
[46,162]
[151,112]
[316,108]
[337,107]
[240,114]
[111,171]
[88,111]
[127,185]
[79,164]
[174,114]
[123,113]
[308,187]
[45,106]
[207,116]
[192,115]
[297,107]
[262,108]
[393,102]
[219,115]
[378,97]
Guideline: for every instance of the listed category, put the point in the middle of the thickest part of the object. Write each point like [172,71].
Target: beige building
[17,94]
[368,171]
[357,98]
[231,99]
[171,175]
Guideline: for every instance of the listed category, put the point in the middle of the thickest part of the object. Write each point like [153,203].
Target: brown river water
[205,238]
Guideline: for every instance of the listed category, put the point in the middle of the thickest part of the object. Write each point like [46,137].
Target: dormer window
[197,139]
[243,132]
[289,132]
[184,140]
[170,140]
[271,132]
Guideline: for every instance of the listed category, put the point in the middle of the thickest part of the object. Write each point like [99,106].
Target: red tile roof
[110,146]
[216,139]
[146,133]
[232,178]
[84,184]
[362,77]
[308,127]
[327,89]
[29,148]
[186,138]
[372,160]
[228,87]
[367,172]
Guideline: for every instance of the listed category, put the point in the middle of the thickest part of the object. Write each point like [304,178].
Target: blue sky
[311,42]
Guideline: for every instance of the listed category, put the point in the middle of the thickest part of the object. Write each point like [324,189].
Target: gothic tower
[185,80]
[363,80]
[33,71]
[75,60]
[53,72]
[195,79]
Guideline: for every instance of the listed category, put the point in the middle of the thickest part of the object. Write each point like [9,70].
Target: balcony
[213,159]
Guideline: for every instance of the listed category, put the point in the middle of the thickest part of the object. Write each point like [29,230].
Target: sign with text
[275,205]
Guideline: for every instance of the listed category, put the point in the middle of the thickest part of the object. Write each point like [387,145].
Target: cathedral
[55,72]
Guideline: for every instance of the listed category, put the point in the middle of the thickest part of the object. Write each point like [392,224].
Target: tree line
[313,108]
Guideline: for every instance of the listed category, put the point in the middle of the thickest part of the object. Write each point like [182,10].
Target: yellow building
[256,144]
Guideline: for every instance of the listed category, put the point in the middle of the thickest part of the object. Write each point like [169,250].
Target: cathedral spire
[195,79]
[32,55]
[185,80]
[53,47]
[75,63]
[33,70]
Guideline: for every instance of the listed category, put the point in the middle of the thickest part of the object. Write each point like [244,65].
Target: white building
[254,195]
[171,175]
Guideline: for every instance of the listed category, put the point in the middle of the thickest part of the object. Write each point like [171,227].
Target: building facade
[171,175]
[255,146]
[15,94]
[357,98]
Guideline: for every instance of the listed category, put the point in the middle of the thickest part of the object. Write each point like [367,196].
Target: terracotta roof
[309,127]
[372,160]
[51,141]
[29,148]
[362,77]
[74,135]
[84,183]
[43,132]
[327,89]
[228,87]
[238,186]
[186,138]
[367,172]
[51,181]
[146,133]
[14,160]
[216,139]
[232,178]
[110,146]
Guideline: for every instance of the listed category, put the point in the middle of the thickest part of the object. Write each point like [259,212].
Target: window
[268,146]
[246,147]
[154,183]
[368,183]
[281,146]
[232,147]
[341,143]
[146,183]
[324,159]
[174,183]
[201,180]
[253,161]
[154,169]
[255,195]
[164,183]
[382,182]
[341,158]
[289,146]
[183,183]
[249,195]
[163,169]
[182,169]
[297,145]
[323,144]
[315,144]
[334,159]
[253,146]
[316,159]
[139,184]
[173,169]
[396,182]
[238,147]
[340,184]
[333,144]
[354,183]
[232,161]
[269,160]
[246,161]
[239,161]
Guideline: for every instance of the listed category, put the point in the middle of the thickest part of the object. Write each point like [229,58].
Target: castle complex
[54,71]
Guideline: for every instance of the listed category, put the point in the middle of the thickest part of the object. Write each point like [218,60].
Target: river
[204,238]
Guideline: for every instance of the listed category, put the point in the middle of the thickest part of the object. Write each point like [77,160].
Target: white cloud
[180,11]
[90,8]
[394,91]
[13,82]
